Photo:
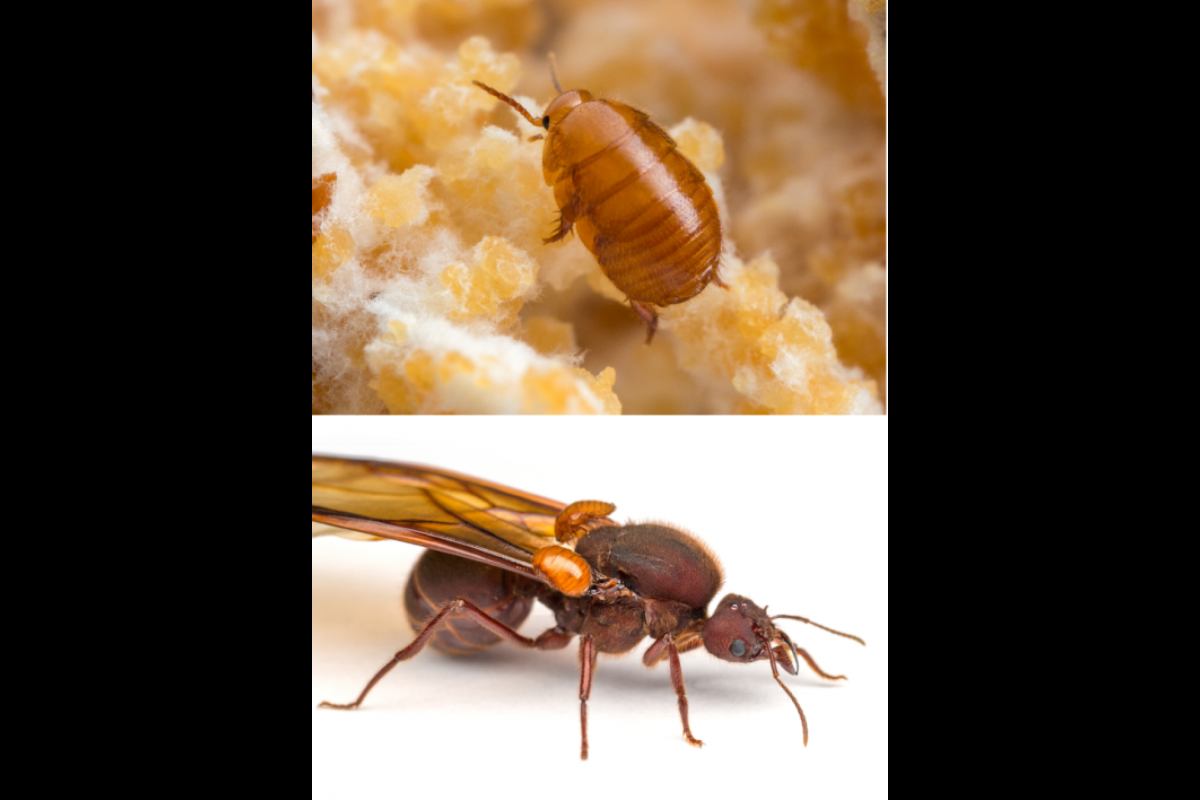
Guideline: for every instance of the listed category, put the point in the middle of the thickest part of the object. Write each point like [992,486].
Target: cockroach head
[562,105]
[741,632]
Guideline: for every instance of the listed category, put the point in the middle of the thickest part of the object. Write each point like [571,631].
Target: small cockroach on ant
[641,208]
[494,550]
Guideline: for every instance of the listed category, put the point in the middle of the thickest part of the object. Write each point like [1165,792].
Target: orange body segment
[566,570]
[572,521]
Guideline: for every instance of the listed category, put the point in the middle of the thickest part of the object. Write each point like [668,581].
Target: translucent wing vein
[371,500]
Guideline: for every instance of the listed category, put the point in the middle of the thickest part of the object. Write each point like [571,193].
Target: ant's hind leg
[553,639]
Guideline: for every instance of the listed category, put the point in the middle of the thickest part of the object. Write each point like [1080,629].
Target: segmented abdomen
[439,578]
[646,213]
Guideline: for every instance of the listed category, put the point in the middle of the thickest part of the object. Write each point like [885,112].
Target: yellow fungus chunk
[820,36]
[330,250]
[778,354]
[493,284]
[416,374]
[400,200]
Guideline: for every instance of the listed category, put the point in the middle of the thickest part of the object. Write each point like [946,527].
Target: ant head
[741,632]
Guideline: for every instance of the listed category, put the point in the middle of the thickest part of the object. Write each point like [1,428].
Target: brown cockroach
[641,208]
[491,555]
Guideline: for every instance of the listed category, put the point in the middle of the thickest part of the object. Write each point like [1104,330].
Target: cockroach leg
[587,660]
[804,654]
[567,214]
[563,230]
[553,639]
[680,692]
[720,283]
[573,521]
[537,137]
[649,316]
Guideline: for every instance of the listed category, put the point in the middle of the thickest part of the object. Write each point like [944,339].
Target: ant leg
[804,654]
[587,659]
[553,639]
[658,651]
[680,692]
[649,316]
[573,521]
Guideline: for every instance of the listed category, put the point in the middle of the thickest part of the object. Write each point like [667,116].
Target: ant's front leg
[680,692]
[654,654]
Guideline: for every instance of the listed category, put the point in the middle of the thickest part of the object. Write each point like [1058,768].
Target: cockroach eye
[546,122]
[738,648]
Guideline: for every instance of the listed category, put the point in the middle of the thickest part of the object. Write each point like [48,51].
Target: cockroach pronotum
[641,208]
[494,550]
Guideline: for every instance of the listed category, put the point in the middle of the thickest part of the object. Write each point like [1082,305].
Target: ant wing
[433,508]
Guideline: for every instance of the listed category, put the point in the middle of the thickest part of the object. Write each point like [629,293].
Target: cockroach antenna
[554,73]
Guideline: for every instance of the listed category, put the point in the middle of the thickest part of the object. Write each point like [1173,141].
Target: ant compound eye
[546,122]
[738,648]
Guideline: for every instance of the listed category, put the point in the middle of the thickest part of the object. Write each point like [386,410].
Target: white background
[796,509]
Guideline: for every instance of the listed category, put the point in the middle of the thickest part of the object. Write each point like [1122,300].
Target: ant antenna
[818,625]
[554,73]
